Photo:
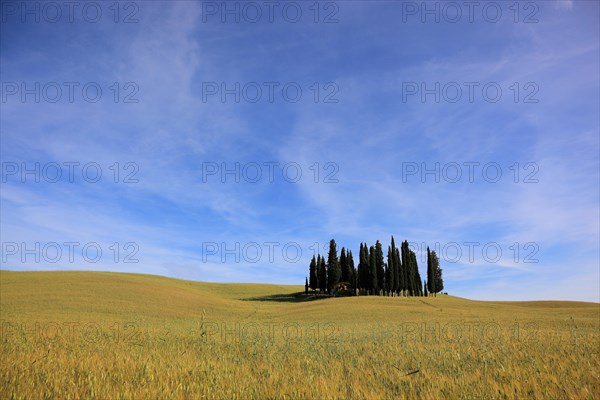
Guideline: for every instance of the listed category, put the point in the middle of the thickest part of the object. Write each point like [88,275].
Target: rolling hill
[112,335]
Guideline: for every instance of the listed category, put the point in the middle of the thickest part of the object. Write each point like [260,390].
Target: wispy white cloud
[564,4]
[368,135]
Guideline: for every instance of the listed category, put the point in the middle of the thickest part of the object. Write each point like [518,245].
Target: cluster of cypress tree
[373,276]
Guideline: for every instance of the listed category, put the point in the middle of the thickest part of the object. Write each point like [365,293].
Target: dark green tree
[322,268]
[360,269]
[390,279]
[430,273]
[306,286]
[313,278]
[372,270]
[417,282]
[373,276]
[344,266]
[318,272]
[363,268]
[394,267]
[351,269]
[379,266]
[406,276]
[439,282]
[411,274]
[333,267]
[399,274]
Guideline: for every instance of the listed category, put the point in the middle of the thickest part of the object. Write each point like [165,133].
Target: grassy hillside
[112,335]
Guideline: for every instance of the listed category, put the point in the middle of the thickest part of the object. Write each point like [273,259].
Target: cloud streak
[369,136]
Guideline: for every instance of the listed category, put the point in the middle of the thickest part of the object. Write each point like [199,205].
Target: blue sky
[386,92]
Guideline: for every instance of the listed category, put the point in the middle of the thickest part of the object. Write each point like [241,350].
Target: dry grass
[141,336]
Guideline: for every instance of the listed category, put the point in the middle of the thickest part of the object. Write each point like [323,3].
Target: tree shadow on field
[298,297]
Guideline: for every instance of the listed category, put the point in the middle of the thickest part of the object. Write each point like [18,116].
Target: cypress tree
[394,265]
[411,274]
[398,275]
[379,266]
[418,289]
[322,274]
[405,268]
[363,268]
[430,272]
[344,266]
[437,272]
[351,270]
[319,277]
[367,270]
[333,266]
[372,270]
[306,287]
[390,279]
[314,280]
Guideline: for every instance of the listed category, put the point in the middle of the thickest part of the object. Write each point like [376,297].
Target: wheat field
[72,335]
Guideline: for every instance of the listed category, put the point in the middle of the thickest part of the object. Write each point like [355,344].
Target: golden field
[70,335]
